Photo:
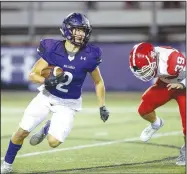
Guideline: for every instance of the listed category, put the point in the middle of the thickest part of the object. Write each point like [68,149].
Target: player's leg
[34,114]
[180,97]
[58,128]
[61,125]
[39,136]
[15,145]
[154,97]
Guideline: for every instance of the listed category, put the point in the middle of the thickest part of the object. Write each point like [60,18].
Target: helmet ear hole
[68,26]
[135,68]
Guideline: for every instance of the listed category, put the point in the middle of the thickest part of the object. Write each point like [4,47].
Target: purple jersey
[75,66]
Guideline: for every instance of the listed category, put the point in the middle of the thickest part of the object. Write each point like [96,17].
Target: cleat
[6,168]
[181,160]
[38,137]
[149,131]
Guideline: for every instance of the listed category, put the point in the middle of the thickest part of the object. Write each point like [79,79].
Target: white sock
[7,163]
[157,123]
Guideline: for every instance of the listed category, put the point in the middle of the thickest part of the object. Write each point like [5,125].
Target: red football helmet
[143,61]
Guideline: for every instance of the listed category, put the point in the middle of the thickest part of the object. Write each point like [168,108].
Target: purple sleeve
[95,60]
[44,50]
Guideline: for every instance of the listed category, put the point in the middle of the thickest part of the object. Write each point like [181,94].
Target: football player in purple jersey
[60,95]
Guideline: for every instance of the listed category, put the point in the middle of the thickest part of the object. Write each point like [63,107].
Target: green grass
[156,156]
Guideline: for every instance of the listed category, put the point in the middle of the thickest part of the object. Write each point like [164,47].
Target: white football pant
[62,118]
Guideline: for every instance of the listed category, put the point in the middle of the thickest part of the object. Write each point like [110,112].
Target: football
[56,71]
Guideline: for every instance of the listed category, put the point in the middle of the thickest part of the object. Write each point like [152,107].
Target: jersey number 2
[61,85]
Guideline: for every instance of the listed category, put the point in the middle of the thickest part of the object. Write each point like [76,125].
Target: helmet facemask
[147,72]
[78,39]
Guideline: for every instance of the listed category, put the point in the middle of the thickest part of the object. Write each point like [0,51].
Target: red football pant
[157,95]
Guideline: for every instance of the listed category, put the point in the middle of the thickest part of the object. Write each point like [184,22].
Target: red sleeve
[176,63]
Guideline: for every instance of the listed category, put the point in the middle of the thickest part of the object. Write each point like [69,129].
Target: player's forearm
[36,78]
[100,92]
[183,82]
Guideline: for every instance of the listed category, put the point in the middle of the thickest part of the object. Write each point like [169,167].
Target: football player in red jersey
[168,65]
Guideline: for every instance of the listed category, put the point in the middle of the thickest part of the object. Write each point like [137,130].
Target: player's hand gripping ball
[53,76]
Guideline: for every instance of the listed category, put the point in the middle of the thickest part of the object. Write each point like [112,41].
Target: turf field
[94,146]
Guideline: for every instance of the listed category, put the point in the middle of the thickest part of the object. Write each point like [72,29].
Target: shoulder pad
[176,63]
[95,55]
[46,45]
[94,52]
[45,49]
